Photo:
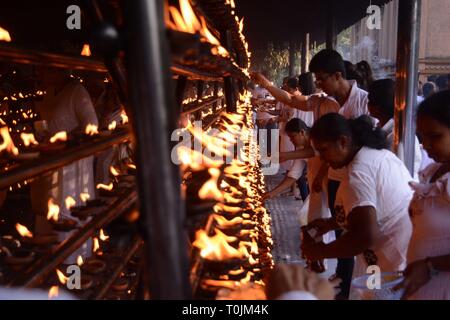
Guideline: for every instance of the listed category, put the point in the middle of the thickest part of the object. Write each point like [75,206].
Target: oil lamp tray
[94,266]
[20,257]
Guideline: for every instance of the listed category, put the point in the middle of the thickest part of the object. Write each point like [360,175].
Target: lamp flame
[23,231]
[108,187]
[53,210]
[209,190]
[103,236]
[112,126]
[114,171]
[4,35]
[70,202]
[53,292]
[61,277]
[86,51]
[28,139]
[91,129]
[124,117]
[60,136]
[96,245]
[7,143]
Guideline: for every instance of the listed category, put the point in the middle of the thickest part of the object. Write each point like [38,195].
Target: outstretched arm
[305,153]
[361,232]
[294,101]
[285,184]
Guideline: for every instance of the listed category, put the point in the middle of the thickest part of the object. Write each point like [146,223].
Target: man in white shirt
[329,71]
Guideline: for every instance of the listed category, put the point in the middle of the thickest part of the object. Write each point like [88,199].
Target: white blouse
[430,214]
[377,178]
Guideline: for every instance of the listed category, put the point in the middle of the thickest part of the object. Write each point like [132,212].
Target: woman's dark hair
[362,131]
[292,83]
[350,71]
[328,61]
[436,107]
[428,89]
[306,84]
[364,69]
[360,72]
[442,83]
[432,78]
[382,95]
[295,125]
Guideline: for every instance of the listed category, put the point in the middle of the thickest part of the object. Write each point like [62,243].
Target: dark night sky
[283,20]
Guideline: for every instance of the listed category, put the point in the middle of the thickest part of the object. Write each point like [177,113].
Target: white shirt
[356,104]
[389,129]
[66,110]
[261,93]
[377,178]
[297,169]
[430,211]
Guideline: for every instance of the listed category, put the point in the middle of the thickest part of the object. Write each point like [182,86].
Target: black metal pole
[292,48]
[153,117]
[107,40]
[216,93]
[229,83]
[407,80]
[304,54]
[330,27]
[200,90]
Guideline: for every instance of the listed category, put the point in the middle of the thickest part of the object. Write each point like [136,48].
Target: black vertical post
[229,83]
[292,48]
[240,60]
[216,93]
[200,90]
[407,80]
[305,53]
[153,119]
[180,90]
[106,40]
[330,27]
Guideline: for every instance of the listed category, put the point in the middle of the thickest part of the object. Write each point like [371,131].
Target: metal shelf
[34,275]
[130,251]
[46,163]
[10,53]
[195,106]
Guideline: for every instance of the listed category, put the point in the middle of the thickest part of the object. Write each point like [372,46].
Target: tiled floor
[285,213]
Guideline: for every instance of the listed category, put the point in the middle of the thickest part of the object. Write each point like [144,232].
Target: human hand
[260,79]
[313,251]
[416,276]
[266,196]
[286,278]
[321,226]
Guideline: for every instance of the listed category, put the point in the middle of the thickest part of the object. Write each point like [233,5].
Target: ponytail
[365,134]
[361,130]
